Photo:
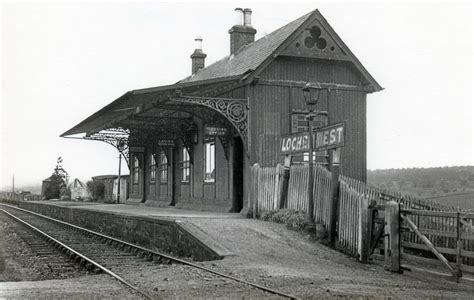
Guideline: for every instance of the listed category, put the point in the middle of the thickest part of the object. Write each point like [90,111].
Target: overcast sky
[61,62]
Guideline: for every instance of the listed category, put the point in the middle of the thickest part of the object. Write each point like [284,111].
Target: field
[461,200]
[451,186]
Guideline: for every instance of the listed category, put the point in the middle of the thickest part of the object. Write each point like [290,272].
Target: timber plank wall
[271,103]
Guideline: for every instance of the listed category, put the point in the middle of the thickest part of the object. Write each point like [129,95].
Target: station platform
[143,210]
[255,249]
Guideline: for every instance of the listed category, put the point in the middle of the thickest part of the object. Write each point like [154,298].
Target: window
[163,168]
[185,165]
[299,124]
[153,169]
[210,162]
[136,167]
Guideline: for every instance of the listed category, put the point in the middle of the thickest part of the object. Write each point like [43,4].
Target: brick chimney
[242,33]
[198,57]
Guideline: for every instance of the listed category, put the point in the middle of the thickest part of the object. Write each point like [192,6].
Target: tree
[58,182]
[96,188]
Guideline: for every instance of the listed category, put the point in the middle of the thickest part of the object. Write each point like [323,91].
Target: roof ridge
[249,56]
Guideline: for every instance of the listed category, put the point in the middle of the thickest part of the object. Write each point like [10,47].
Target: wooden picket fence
[440,227]
[266,184]
[348,237]
[298,188]
[322,193]
[354,199]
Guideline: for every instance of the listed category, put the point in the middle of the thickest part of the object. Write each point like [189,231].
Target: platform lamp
[311,100]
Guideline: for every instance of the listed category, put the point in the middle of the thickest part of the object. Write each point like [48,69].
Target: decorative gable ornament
[315,42]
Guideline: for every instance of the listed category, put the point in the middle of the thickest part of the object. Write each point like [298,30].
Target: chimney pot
[239,16]
[247,17]
[242,34]
[198,43]
[198,57]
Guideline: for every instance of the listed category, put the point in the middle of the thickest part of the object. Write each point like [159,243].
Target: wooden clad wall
[269,106]
[276,94]
[306,69]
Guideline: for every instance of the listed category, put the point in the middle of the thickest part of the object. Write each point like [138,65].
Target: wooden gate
[376,225]
[449,236]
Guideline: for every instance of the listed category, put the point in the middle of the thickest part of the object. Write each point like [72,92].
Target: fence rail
[449,235]
[436,220]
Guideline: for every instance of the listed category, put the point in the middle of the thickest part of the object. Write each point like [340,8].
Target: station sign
[215,131]
[325,138]
[295,143]
[137,149]
[165,143]
[329,137]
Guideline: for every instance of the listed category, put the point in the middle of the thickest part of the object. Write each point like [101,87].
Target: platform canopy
[142,117]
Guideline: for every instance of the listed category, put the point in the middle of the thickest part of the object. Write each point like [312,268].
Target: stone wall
[156,234]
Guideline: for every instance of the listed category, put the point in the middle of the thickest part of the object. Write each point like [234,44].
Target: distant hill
[446,185]
[34,189]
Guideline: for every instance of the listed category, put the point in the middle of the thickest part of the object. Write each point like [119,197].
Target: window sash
[209,161]
[185,166]
[153,169]
[163,168]
[136,166]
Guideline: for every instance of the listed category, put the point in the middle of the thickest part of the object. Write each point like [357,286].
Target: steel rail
[152,252]
[71,250]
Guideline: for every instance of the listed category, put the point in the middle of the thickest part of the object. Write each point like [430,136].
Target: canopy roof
[238,68]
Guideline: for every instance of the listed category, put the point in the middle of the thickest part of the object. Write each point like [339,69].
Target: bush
[96,188]
[293,219]
[53,188]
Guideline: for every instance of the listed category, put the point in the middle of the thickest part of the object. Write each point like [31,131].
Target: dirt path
[269,253]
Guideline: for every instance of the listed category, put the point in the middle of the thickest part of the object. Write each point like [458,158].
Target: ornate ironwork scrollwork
[117,137]
[234,110]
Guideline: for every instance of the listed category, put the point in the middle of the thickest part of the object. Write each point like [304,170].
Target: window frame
[152,169]
[212,161]
[163,167]
[185,166]
[136,170]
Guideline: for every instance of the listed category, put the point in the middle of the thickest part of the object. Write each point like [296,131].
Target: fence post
[283,192]
[276,188]
[335,169]
[458,246]
[392,237]
[254,189]
[364,238]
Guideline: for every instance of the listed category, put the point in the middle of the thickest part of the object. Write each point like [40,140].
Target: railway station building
[191,144]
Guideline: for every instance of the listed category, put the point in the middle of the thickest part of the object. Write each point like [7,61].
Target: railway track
[98,253]
[49,263]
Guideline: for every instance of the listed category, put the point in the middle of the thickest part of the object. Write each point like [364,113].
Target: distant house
[110,186]
[45,185]
[123,188]
[78,190]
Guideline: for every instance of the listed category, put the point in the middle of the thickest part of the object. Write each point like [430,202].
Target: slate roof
[250,56]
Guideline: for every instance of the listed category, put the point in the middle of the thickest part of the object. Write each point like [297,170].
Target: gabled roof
[239,67]
[49,179]
[249,57]
[252,58]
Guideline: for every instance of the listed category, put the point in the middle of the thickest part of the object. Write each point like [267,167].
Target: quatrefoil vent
[315,39]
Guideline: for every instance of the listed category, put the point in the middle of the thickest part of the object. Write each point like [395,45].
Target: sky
[62,61]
